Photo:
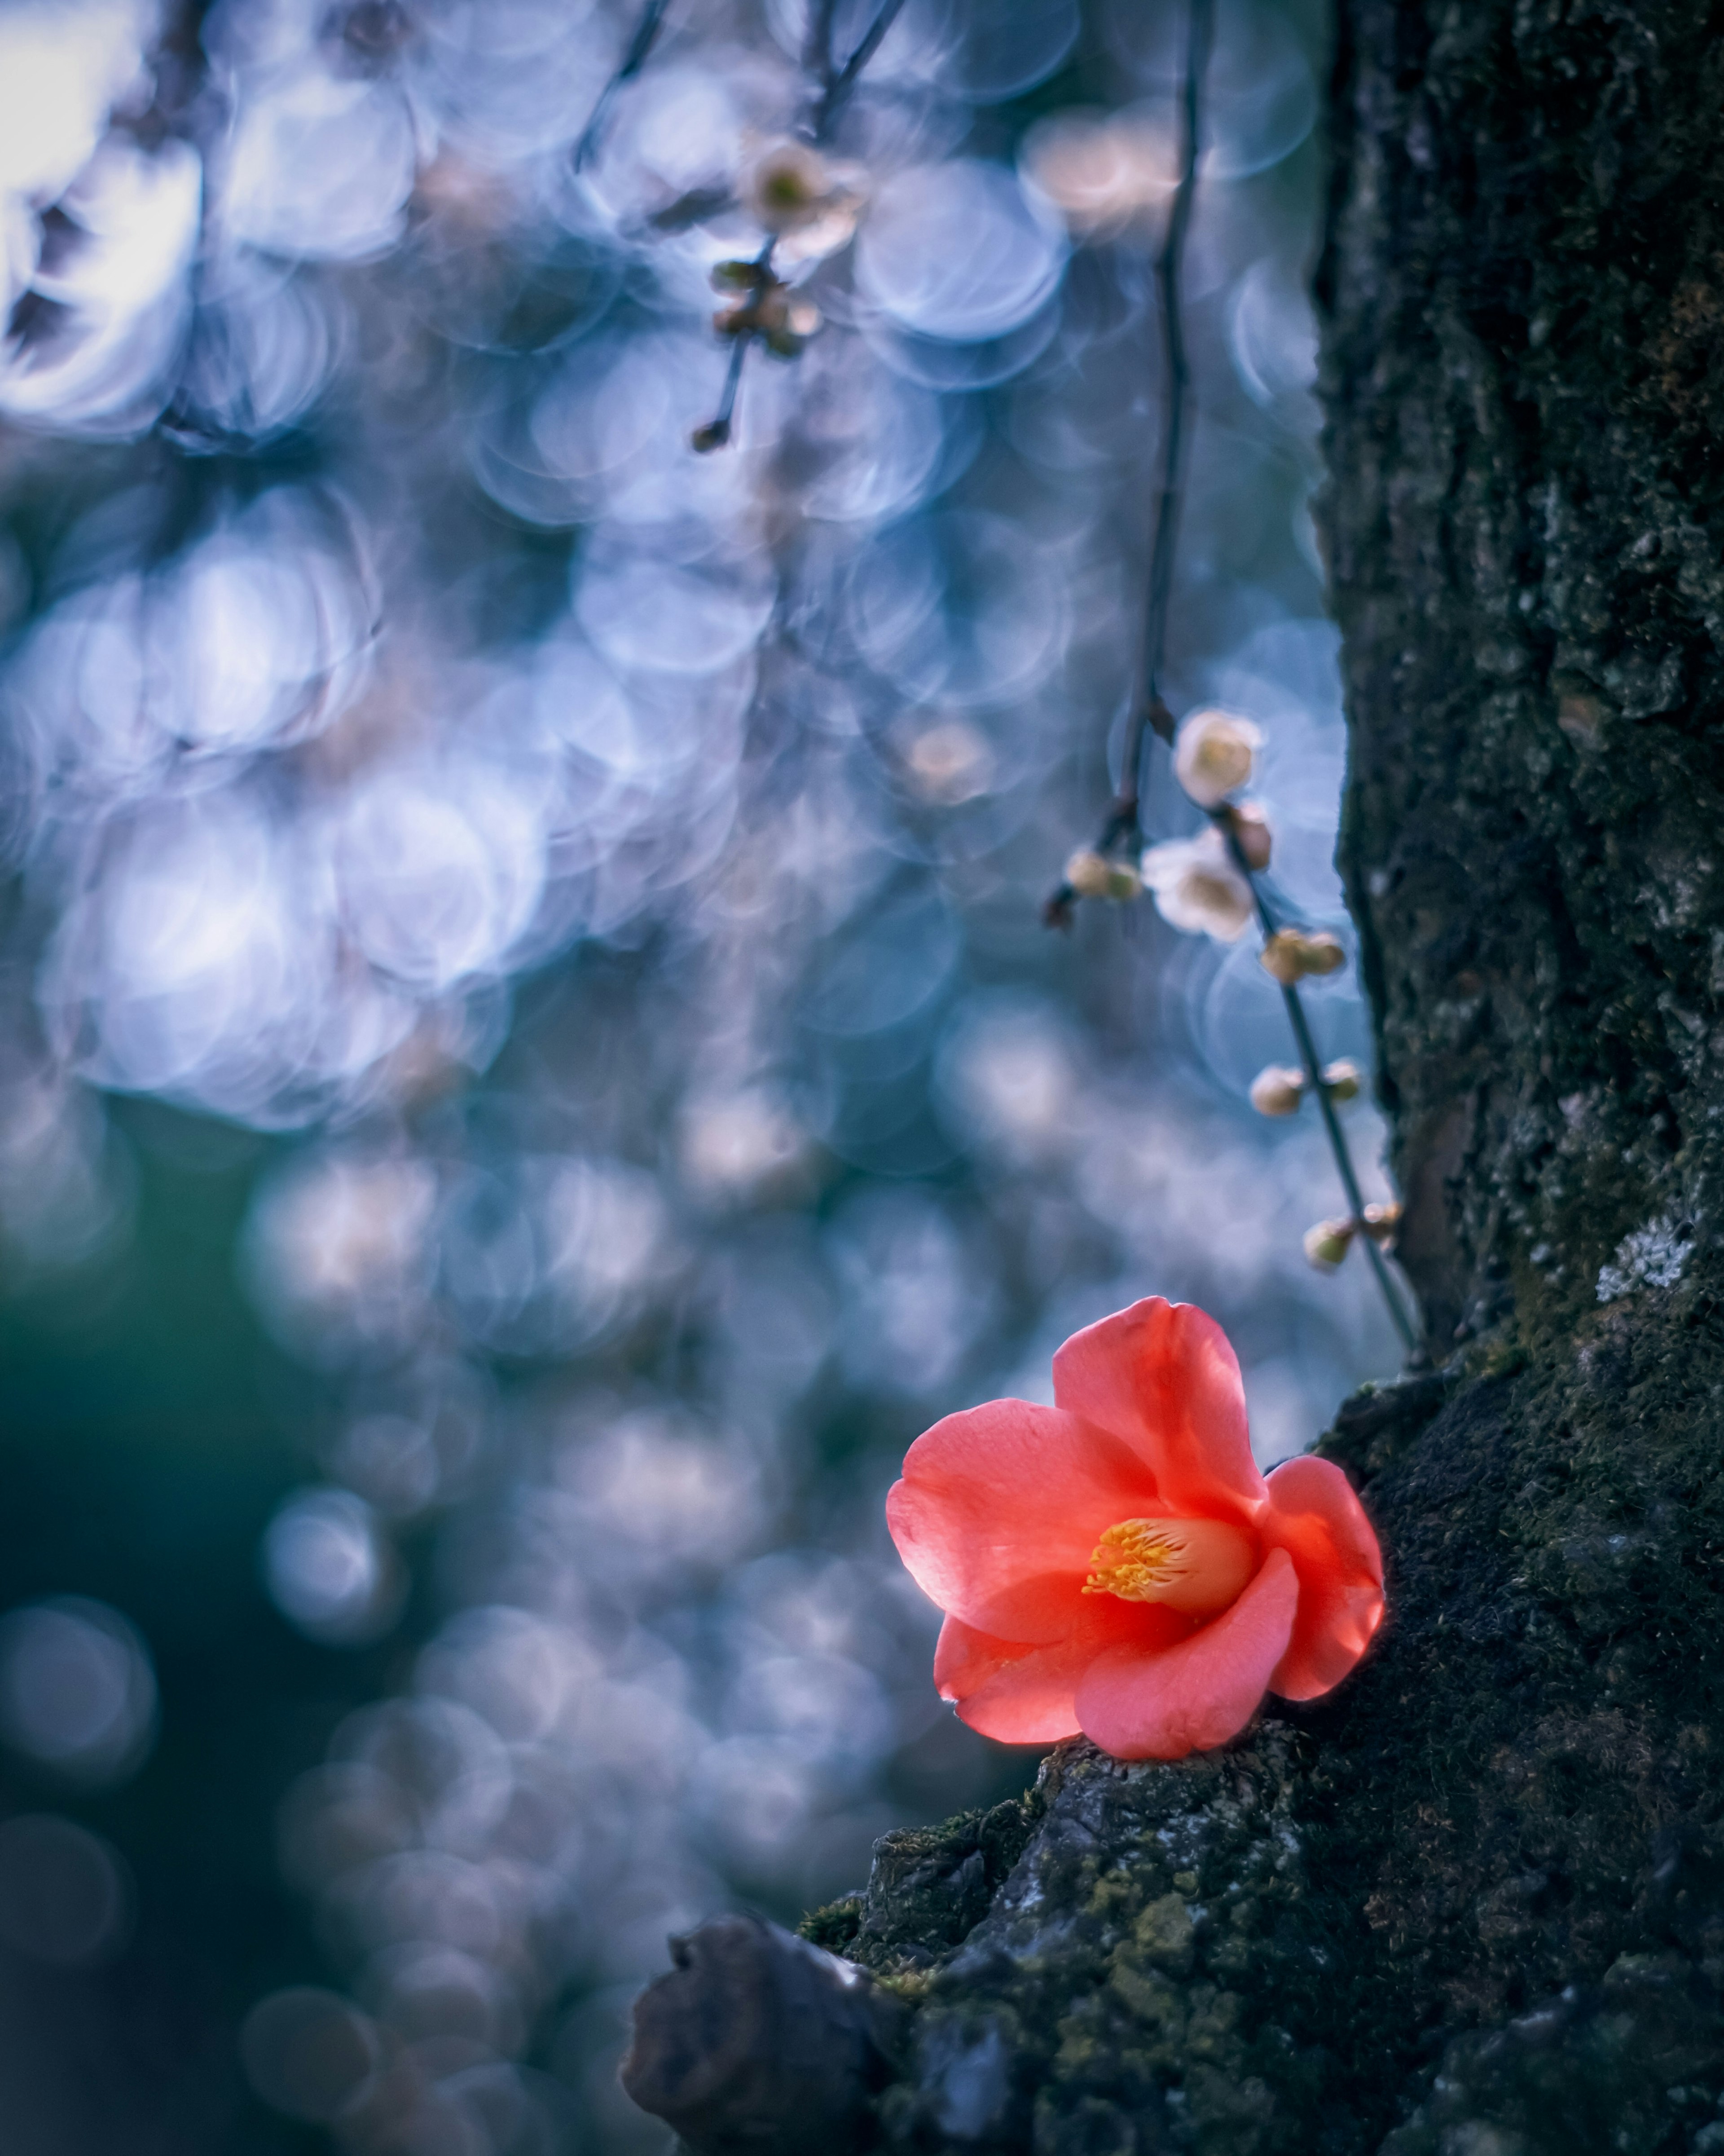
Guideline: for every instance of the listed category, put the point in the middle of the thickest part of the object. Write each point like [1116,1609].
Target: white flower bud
[1251,827]
[1343,1079]
[1328,1243]
[1278,1090]
[1213,755]
[1093,876]
[1289,954]
[1381,1221]
[1197,888]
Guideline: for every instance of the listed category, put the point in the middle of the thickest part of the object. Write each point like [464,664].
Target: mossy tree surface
[1494,1851]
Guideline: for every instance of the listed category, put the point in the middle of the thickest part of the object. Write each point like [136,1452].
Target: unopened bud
[1278,1091]
[768,309]
[1213,755]
[1381,1221]
[1251,827]
[1093,876]
[712,436]
[1327,1244]
[1342,1079]
[1289,954]
[786,334]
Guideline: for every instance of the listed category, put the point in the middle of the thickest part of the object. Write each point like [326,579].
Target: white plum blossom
[1213,754]
[1196,887]
[1277,1090]
[793,192]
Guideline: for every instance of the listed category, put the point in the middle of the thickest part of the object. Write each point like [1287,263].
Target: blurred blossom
[517,1671]
[338,1253]
[329,1570]
[93,355]
[949,761]
[738,1144]
[957,607]
[63,67]
[916,1297]
[669,1496]
[1009,1076]
[256,637]
[555,1256]
[956,251]
[317,168]
[681,616]
[1105,172]
[77,1689]
[440,868]
[1260,96]
[309,2053]
[65,1181]
[339,1816]
[66,1896]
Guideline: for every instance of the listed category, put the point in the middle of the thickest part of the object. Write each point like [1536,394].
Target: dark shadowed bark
[1472,1905]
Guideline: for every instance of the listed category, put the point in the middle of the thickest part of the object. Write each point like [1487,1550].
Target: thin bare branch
[1147,711]
[640,46]
[840,85]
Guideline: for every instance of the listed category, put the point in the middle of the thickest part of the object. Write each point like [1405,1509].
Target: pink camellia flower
[1116,1565]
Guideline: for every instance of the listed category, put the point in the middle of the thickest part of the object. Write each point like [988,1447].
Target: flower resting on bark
[1115,1564]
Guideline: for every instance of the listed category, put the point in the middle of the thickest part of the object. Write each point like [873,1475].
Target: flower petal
[1314,1516]
[1000,1508]
[1194,1696]
[1162,1376]
[1020,1695]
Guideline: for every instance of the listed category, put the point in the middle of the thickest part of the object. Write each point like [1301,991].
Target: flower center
[1198,1566]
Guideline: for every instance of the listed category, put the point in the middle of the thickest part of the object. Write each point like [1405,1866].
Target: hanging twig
[1147,707]
[640,46]
[1147,710]
[817,44]
[837,87]
[716,432]
[840,85]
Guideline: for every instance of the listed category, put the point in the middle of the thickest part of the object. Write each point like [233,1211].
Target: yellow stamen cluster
[1133,1559]
[1198,1566]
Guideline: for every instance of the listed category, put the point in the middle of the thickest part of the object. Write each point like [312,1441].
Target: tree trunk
[1473,1904]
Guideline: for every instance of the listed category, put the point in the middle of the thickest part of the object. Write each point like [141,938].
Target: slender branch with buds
[835,84]
[1100,872]
[1146,711]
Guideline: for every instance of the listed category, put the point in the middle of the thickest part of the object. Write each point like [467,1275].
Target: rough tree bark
[1474,1904]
